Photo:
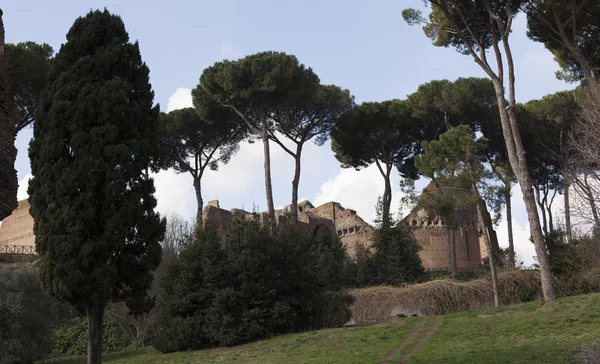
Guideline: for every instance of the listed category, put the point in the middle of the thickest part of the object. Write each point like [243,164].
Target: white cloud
[23,185]
[181,98]
[358,190]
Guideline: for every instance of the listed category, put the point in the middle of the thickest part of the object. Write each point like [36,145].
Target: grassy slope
[532,332]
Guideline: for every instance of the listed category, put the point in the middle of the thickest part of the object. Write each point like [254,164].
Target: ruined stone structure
[470,244]
[17,229]
[345,223]
[8,152]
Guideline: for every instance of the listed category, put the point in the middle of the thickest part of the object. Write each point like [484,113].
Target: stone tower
[8,152]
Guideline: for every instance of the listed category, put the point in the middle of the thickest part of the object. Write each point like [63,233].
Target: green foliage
[451,163]
[187,136]
[378,133]
[254,86]
[91,196]
[396,252]
[70,338]
[464,24]
[442,104]
[580,25]
[28,65]
[564,257]
[27,315]
[254,285]
[392,259]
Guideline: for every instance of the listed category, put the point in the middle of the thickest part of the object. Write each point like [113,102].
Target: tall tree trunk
[95,316]
[488,244]
[516,154]
[198,189]
[296,181]
[387,200]
[568,232]
[511,241]
[268,185]
[451,251]
[387,192]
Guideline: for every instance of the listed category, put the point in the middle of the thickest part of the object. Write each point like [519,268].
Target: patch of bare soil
[411,336]
[424,340]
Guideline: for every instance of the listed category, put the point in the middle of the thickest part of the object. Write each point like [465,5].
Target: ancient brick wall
[350,228]
[17,229]
[8,153]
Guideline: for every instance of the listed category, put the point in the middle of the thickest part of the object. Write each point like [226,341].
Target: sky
[364,46]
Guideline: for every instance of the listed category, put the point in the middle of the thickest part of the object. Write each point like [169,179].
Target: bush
[564,257]
[70,338]
[446,296]
[27,315]
[252,286]
[393,258]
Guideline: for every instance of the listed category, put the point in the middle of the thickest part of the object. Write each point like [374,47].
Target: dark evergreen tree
[252,286]
[395,252]
[28,65]
[91,195]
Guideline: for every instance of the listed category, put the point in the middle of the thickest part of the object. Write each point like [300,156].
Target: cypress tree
[91,195]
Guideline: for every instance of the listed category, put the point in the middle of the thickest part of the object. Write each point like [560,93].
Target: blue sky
[364,46]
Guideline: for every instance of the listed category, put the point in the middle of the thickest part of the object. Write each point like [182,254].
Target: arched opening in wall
[299,209]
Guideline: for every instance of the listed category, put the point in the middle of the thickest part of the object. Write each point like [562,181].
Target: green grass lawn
[529,333]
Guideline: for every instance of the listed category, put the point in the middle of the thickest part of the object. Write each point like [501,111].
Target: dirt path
[423,341]
[411,335]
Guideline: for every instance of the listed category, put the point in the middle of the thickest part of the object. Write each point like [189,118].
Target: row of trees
[96,131]
[569,29]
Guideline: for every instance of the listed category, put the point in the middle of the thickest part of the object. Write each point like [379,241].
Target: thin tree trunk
[95,316]
[296,182]
[592,201]
[567,186]
[451,252]
[387,200]
[268,185]
[488,245]
[541,206]
[511,241]
[575,51]
[198,189]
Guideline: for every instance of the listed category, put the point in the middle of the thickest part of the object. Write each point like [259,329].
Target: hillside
[567,331]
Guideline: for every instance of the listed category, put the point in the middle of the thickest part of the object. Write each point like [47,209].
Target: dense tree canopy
[306,114]
[193,144]
[570,29]
[385,134]
[91,195]
[254,87]
[28,65]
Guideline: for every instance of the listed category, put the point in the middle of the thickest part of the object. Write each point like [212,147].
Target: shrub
[441,297]
[253,286]
[70,338]
[27,315]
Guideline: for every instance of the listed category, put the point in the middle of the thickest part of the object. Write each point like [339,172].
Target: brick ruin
[17,229]
[8,175]
[345,223]
[351,229]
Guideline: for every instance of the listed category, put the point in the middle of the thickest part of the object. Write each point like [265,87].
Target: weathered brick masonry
[8,152]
